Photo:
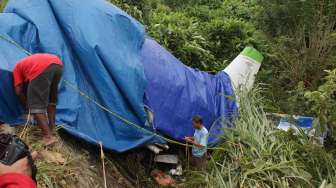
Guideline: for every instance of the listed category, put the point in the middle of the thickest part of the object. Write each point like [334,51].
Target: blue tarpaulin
[176,93]
[107,55]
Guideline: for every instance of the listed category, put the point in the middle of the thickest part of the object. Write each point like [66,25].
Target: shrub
[302,45]
[228,37]
[181,35]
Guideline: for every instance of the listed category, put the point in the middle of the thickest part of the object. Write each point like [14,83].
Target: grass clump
[69,163]
[257,155]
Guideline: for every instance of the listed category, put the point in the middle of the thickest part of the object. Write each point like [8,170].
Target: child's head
[197,122]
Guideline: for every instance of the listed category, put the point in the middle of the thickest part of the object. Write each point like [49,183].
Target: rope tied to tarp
[102,107]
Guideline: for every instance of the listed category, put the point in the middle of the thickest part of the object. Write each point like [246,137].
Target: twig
[187,155]
[102,158]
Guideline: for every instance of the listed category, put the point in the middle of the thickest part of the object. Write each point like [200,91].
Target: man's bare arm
[193,142]
[198,145]
[19,93]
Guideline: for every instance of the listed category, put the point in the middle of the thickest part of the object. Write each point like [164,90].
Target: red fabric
[13,180]
[30,67]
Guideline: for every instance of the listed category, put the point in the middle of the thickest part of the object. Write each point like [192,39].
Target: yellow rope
[25,127]
[15,44]
[108,110]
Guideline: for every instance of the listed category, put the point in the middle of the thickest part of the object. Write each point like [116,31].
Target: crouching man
[199,142]
[42,74]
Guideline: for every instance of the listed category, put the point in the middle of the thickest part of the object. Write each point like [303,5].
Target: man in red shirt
[42,74]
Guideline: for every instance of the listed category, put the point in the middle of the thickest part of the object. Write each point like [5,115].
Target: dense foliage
[302,37]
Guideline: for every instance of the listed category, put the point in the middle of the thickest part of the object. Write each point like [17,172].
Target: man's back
[30,67]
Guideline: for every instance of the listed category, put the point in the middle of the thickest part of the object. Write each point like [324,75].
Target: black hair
[197,119]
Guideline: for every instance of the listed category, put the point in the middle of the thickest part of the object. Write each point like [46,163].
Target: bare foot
[53,129]
[49,140]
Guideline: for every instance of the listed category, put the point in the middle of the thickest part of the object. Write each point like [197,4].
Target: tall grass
[257,155]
